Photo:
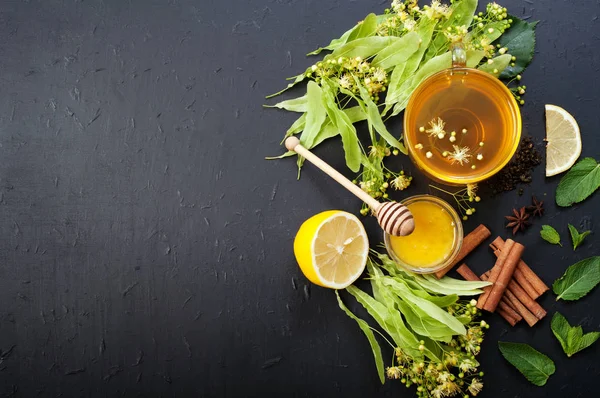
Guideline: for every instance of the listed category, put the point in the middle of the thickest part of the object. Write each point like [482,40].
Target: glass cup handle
[459,55]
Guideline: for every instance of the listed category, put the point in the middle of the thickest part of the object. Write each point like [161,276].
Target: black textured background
[146,246]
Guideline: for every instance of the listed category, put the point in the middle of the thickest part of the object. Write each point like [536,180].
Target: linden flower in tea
[460,155]
[437,128]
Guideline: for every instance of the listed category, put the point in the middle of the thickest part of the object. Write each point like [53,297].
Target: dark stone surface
[146,246]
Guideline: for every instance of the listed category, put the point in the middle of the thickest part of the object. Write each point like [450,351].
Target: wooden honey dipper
[393,217]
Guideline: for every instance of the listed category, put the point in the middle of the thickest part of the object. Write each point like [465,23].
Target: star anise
[537,209]
[519,221]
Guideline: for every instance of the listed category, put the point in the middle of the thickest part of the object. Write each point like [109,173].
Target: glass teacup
[461,125]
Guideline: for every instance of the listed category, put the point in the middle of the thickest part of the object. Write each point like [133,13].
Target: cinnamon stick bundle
[470,242]
[516,303]
[523,274]
[507,269]
[504,308]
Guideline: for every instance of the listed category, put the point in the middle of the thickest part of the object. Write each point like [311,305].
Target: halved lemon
[563,140]
[332,249]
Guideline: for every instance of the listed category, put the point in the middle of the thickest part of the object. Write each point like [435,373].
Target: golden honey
[436,240]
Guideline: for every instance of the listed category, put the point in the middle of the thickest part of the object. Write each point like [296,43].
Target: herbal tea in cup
[462,125]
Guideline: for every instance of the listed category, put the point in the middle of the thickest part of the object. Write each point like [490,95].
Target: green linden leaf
[580,182]
[578,280]
[571,338]
[390,321]
[520,41]
[398,52]
[364,326]
[499,64]
[366,28]
[363,29]
[550,235]
[294,105]
[577,237]
[534,365]
[315,114]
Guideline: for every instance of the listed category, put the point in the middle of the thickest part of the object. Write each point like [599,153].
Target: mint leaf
[578,280]
[571,338]
[580,182]
[534,365]
[587,340]
[520,41]
[560,328]
[550,235]
[577,237]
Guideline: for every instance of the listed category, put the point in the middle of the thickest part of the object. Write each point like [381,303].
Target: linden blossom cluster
[402,16]
[375,177]
[438,379]
[346,70]
[519,90]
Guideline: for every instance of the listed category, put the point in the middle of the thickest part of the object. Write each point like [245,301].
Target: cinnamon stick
[470,242]
[467,273]
[495,272]
[507,317]
[504,309]
[522,280]
[514,301]
[507,269]
[519,276]
[527,301]
[523,269]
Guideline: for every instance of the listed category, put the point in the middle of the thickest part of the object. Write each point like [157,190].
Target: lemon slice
[563,140]
[332,249]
